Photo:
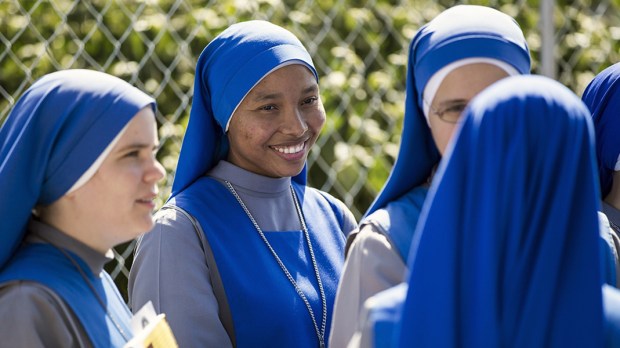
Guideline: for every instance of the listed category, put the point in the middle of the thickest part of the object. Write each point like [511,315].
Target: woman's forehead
[297,76]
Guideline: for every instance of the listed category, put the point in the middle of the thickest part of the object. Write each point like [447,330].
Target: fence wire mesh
[359,48]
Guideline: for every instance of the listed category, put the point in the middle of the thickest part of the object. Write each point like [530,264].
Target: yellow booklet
[150,330]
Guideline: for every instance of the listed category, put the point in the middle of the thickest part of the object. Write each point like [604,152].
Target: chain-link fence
[359,48]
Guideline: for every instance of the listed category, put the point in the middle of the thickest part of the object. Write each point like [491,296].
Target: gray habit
[170,268]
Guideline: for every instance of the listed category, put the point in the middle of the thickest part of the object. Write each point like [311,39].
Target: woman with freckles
[78,176]
[244,253]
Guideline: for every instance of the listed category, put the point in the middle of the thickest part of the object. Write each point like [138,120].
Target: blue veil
[228,68]
[506,249]
[53,134]
[464,31]
[602,96]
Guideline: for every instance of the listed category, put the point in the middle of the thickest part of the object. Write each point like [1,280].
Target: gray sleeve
[170,270]
[370,267]
[610,253]
[33,316]
[616,248]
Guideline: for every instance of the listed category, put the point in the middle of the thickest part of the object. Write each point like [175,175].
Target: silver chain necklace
[320,333]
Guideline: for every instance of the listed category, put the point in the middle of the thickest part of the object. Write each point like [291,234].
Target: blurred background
[359,49]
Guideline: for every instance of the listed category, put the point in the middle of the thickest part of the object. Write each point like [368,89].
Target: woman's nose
[155,173]
[295,123]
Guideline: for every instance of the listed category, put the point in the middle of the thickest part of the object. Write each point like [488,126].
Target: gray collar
[249,181]
[40,232]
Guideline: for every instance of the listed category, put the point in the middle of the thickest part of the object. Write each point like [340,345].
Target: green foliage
[359,51]
[359,48]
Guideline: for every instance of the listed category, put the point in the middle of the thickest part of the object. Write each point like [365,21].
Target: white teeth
[289,149]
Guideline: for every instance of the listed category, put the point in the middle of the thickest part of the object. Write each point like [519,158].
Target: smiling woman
[274,127]
[78,176]
[245,253]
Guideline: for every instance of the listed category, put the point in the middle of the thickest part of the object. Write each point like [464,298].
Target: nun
[602,96]
[451,59]
[245,253]
[78,176]
[506,251]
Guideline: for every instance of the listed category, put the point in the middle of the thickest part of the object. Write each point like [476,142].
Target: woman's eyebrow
[267,96]
[260,96]
[455,101]
[139,146]
[313,88]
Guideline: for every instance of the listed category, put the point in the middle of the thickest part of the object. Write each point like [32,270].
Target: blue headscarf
[54,133]
[506,249]
[228,68]
[602,96]
[461,32]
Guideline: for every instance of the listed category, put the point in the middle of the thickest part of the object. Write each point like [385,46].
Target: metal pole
[547,35]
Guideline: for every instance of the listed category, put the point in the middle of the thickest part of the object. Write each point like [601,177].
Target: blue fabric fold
[54,133]
[227,69]
[506,253]
[602,96]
